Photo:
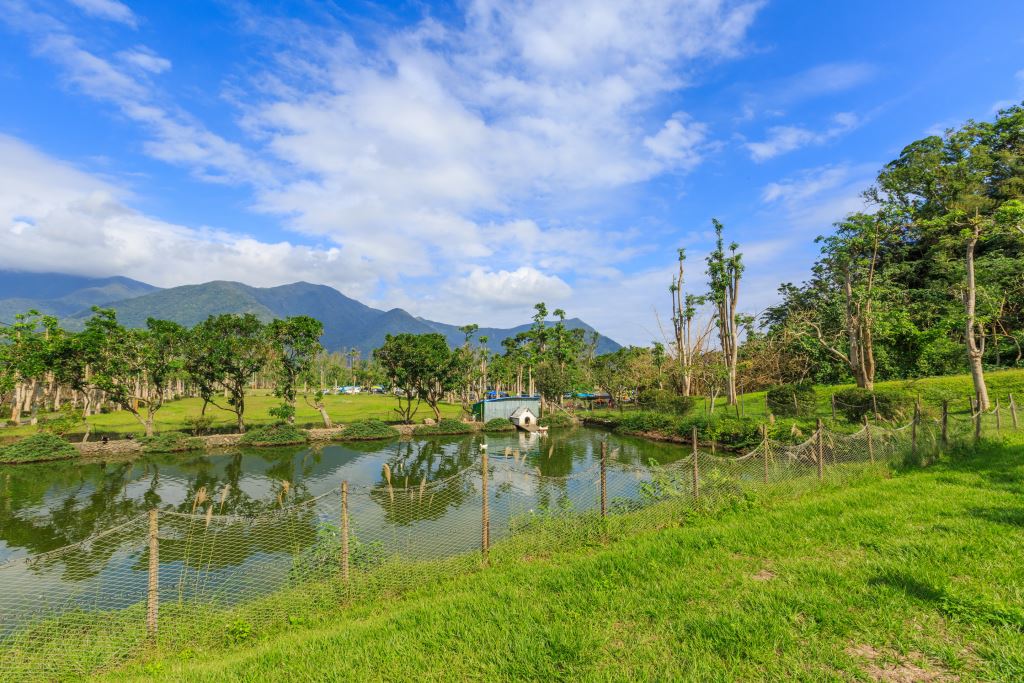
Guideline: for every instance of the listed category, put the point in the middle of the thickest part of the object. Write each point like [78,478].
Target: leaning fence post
[821,452]
[871,445]
[153,594]
[485,540]
[344,531]
[1013,411]
[696,467]
[945,423]
[999,419]
[764,444]
[604,477]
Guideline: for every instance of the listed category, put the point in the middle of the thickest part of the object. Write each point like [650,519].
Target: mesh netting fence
[155,581]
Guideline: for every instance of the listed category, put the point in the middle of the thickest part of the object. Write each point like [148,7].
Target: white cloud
[111,10]
[509,289]
[54,217]
[814,199]
[783,139]
[678,141]
[141,57]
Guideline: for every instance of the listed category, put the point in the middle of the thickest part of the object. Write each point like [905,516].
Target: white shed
[524,417]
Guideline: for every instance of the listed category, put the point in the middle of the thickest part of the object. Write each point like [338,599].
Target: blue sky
[465,160]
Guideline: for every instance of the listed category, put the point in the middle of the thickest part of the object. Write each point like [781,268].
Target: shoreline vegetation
[722,429]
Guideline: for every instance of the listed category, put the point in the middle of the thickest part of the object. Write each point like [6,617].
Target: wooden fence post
[874,406]
[1013,411]
[764,443]
[821,452]
[833,407]
[871,445]
[604,477]
[344,531]
[999,419]
[485,540]
[945,423]
[153,594]
[696,467]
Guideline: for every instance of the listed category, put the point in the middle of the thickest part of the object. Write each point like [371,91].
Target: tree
[724,272]
[421,367]
[226,351]
[689,343]
[294,344]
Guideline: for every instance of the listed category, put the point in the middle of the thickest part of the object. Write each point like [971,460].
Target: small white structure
[524,418]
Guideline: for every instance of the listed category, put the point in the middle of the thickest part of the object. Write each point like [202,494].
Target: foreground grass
[915,576]
[171,417]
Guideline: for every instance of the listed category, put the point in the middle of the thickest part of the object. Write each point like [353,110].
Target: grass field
[171,416]
[914,576]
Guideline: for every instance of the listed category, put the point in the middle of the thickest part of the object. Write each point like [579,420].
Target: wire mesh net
[148,582]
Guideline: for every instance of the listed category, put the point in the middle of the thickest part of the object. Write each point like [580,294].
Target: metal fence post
[833,407]
[976,409]
[1013,411]
[344,531]
[153,593]
[913,429]
[821,452]
[485,540]
[764,443]
[999,419]
[945,423]
[696,467]
[871,445]
[604,477]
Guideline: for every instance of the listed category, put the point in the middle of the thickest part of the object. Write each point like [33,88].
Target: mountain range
[348,324]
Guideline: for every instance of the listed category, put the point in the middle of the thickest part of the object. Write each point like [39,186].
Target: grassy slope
[932,390]
[916,574]
[342,409]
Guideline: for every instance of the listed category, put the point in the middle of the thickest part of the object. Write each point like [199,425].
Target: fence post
[604,477]
[945,423]
[821,452]
[976,409]
[153,594]
[874,406]
[913,429]
[764,443]
[485,539]
[833,407]
[696,467]
[871,445]
[999,419]
[344,531]
[1013,411]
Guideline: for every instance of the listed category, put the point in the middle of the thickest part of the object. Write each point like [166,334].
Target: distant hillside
[62,295]
[347,322]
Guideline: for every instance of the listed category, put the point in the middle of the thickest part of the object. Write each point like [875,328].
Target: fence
[163,578]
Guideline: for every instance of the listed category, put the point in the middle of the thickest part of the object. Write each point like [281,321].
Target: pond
[268,507]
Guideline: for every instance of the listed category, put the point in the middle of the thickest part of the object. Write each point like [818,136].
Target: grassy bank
[912,576]
[342,409]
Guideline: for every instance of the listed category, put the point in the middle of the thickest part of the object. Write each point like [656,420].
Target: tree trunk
[975,346]
[324,416]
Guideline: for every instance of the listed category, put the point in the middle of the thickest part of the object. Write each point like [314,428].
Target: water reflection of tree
[424,484]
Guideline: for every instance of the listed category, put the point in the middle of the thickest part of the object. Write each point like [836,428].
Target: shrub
[637,423]
[369,429]
[277,434]
[499,424]
[198,424]
[664,401]
[445,426]
[171,442]
[37,448]
[855,403]
[69,418]
[557,420]
[793,400]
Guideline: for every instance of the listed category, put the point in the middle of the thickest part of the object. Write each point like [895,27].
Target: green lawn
[171,417]
[915,575]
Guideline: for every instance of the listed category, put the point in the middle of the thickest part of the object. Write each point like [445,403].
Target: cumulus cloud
[506,289]
[55,217]
[783,139]
[678,141]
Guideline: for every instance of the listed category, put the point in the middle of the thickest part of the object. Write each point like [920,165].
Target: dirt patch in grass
[764,575]
[889,667]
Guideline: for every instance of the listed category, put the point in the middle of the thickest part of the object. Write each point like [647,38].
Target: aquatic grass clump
[499,424]
[557,420]
[446,426]
[171,442]
[38,448]
[278,434]
[367,430]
